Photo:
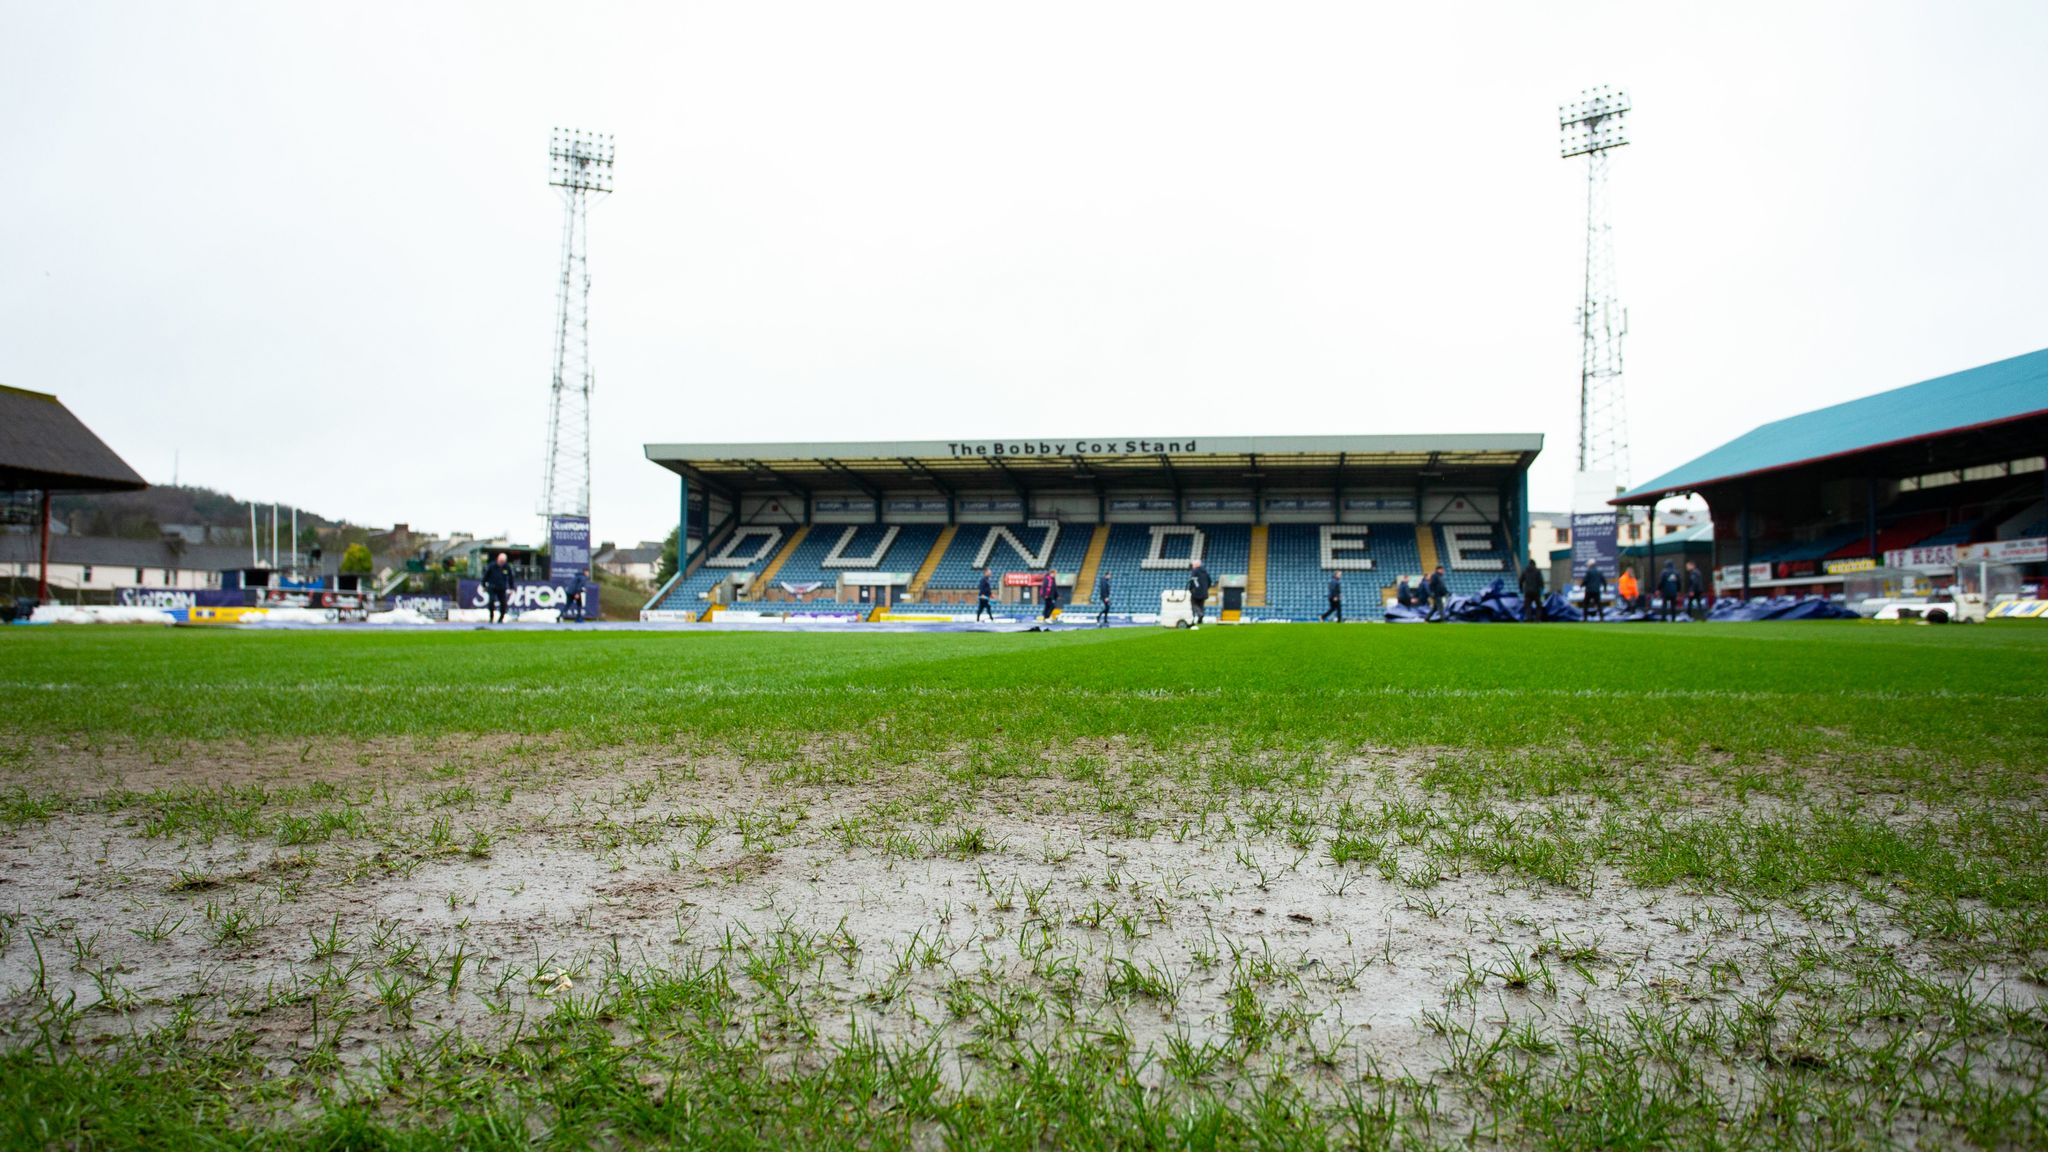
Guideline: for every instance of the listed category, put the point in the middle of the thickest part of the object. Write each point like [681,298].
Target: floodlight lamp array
[580,160]
[1595,123]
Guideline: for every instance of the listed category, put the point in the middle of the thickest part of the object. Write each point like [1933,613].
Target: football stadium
[811,855]
[1302,791]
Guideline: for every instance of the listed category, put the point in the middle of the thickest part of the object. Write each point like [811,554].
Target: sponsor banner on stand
[568,547]
[175,598]
[2034,551]
[172,598]
[1593,542]
[1844,567]
[432,607]
[345,605]
[528,595]
[1935,556]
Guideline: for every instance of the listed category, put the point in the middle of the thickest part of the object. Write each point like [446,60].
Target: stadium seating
[1297,585]
[1135,586]
[871,548]
[957,570]
[1480,557]
[686,593]
[1898,534]
[1957,533]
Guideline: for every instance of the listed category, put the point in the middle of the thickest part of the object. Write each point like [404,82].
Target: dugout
[1914,477]
[1269,517]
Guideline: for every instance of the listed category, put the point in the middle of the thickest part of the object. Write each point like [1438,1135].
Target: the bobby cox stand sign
[528,595]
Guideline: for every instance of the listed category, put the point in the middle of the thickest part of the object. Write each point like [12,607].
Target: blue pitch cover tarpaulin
[1500,605]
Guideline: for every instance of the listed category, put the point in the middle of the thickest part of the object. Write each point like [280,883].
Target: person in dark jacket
[1594,601]
[1336,597]
[498,586]
[1695,590]
[1102,594]
[1403,594]
[1439,594]
[574,609]
[1667,587]
[1532,593]
[1198,590]
[985,600]
[1049,591]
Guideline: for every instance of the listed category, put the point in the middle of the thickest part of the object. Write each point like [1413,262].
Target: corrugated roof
[42,445]
[1992,394]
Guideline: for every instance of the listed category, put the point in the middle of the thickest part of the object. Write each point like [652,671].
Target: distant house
[98,563]
[638,564]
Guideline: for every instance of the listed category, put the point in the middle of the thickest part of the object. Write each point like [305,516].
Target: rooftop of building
[1976,398]
[46,448]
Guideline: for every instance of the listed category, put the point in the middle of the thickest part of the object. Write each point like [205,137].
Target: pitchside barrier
[527,595]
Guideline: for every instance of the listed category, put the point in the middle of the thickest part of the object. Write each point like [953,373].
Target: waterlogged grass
[1741,886]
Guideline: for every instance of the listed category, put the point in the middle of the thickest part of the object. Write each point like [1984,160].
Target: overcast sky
[310,249]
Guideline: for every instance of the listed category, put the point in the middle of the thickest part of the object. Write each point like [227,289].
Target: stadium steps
[931,561]
[1084,580]
[2027,522]
[789,548]
[1255,570]
[1425,543]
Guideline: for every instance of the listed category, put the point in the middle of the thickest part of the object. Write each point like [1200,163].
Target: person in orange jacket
[1626,588]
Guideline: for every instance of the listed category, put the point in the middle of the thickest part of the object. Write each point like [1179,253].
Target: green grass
[1753,692]
[1845,822]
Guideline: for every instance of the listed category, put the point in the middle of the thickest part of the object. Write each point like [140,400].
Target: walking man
[1667,587]
[498,586]
[1439,592]
[1049,591]
[1695,590]
[1404,595]
[1336,597]
[574,609]
[986,602]
[1198,590]
[1532,593]
[1102,594]
[1595,591]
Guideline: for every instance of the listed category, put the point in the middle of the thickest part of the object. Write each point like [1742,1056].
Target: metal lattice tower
[580,164]
[1593,127]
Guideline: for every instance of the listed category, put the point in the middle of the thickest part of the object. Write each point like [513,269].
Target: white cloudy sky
[310,249]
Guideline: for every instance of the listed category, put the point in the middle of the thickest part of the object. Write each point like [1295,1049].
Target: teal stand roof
[2007,390]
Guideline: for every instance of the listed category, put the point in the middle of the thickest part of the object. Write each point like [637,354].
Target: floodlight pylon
[1593,127]
[580,164]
